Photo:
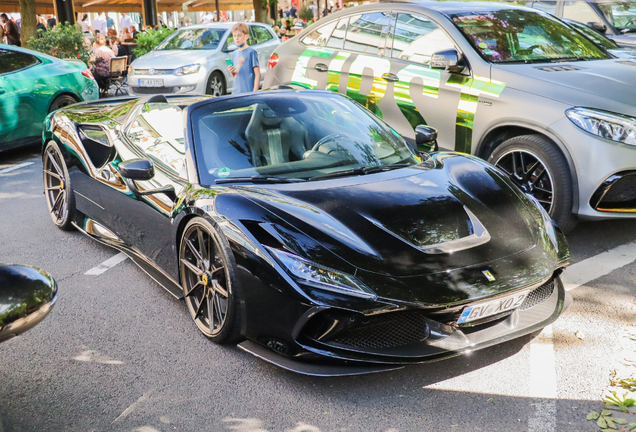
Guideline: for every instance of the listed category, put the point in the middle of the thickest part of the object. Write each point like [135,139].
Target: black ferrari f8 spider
[305,227]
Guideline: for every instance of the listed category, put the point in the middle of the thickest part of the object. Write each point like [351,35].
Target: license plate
[494,307]
[150,83]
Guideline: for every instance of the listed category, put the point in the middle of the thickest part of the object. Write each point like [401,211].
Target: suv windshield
[193,39]
[622,15]
[523,36]
[297,136]
[593,35]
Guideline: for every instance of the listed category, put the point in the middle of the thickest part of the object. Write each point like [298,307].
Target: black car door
[144,221]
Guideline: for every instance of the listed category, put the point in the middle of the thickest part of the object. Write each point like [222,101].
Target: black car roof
[447,7]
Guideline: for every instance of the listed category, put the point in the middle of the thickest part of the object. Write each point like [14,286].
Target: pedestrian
[125,35]
[40,25]
[86,27]
[314,9]
[10,30]
[292,11]
[113,44]
[50,21]
[125,22]
[99,24]
[244,68]
[133,32]
[280,12]
[287,13]
[102,55]
[110,24]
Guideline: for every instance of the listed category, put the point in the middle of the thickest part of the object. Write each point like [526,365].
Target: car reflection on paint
[300,225]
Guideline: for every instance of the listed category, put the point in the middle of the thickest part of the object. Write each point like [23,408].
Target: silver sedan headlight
[187,70]
[615,127]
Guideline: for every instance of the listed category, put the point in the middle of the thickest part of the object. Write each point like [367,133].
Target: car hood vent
[558,68]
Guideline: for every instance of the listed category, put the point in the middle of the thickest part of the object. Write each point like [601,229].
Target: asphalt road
[118,353]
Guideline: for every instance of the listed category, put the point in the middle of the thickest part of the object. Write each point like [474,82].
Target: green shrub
[63,41]
[147,41]
[306,14]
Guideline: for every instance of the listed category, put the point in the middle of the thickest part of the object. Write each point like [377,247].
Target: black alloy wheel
[216,84]
[539,169]
[207,268]
[57,187]
[62,101]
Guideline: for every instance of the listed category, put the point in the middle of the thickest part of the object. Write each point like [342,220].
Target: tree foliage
[306,14]
[149,40]
[63,41]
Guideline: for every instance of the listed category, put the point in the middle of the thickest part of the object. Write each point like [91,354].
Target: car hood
[602,84]
[171,59]
[625,40]
[407,222]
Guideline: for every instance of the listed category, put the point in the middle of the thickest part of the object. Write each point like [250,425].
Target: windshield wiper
[361,171]
[258,179]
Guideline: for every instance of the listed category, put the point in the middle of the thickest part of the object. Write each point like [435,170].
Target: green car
[32,85]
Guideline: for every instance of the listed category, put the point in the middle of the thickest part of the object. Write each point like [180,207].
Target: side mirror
[137,169]
[27,295]
[426,138]
[449,60]
[231,47]
[601,28]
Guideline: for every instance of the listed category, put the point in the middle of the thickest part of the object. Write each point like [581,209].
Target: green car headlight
[187,70]
[615,127]
[321,277]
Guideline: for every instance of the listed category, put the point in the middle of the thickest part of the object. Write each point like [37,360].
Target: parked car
[302,222]
[27,295]
[512,85]
[32,85]
[602,41]
[614,18]
[192,60]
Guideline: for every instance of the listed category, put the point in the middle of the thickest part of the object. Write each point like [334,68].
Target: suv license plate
[150,83]
[494,307]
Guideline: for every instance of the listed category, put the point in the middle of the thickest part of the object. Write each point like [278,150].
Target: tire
[209,284]
[538,168]
[216,84]
[62,101]
[58,190]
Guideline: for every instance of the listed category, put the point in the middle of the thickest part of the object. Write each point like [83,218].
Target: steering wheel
[528,51]
[331,145]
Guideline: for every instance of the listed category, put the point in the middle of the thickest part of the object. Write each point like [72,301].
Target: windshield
[521,36]
[622,15]
[297,136]
[593,35]
[193,39]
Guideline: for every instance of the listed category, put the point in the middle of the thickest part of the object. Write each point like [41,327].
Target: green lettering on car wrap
[471,89]
[299,77]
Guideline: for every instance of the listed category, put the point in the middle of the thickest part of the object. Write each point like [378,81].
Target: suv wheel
[538,168]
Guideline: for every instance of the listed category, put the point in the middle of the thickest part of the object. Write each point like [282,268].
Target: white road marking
[94,356]
[15,167]
[599,265]
[109,263]
[542,356]
[130,409]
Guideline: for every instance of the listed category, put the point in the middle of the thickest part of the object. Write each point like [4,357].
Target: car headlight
[547,221]
[131,71]
[187,70]
[616,127]
[321,277]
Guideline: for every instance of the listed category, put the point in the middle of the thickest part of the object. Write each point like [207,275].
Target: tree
[29,21]
[260,10]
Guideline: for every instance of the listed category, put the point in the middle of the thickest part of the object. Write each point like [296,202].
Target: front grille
[558,68]
[538,295]
[386,331]
[624,190]
[156,72]
[152,90]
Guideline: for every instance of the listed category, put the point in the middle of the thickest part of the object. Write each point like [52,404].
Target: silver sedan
[193,60]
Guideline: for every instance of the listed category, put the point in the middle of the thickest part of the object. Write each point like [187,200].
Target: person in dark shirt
[51,21]
[10,30]
[40,25]
[292,12]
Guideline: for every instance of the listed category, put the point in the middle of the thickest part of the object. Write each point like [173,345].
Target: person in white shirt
[99,23]
[314,9]
[125,22]
[207,18]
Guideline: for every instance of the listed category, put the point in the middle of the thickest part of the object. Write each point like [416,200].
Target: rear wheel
[209,284]
[216,84]
[57,187]
[62,101]
[539,169]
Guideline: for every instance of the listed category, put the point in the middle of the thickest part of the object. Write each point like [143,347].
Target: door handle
[321,67]
[390,77]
